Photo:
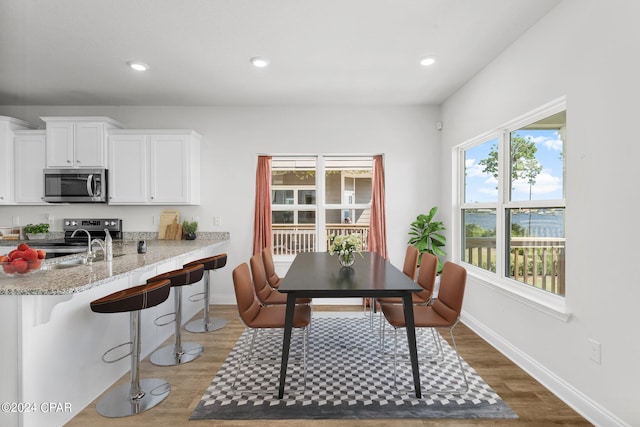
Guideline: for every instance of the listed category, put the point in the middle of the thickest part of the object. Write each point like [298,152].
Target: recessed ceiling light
[427,61]
[259,62]
[138,66]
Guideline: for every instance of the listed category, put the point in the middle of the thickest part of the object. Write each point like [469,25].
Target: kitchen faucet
[102,245]
[89,252]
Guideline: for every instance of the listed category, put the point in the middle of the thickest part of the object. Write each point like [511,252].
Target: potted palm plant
[426,235]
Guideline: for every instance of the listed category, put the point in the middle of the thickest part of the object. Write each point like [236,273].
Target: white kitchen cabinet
[154,167]
[127,174]
[29,151]
[8,126]
[78,142]
[174,169]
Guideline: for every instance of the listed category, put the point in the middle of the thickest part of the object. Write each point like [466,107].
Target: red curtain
[378,220]
[262,220]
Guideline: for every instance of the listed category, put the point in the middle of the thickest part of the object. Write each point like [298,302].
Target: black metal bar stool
[178,353]
[207,324]
[139,395]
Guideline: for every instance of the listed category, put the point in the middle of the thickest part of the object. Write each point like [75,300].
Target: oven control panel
[95,224]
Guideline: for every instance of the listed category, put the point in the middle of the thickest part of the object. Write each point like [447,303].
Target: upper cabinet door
[169,169]
[6,163]
[8,127]
[60,141]
[90,145]
[127,180]
[30,160]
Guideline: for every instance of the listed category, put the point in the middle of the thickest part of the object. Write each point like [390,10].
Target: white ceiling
[350,52]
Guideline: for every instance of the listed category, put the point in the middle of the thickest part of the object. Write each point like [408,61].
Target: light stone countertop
[82,277]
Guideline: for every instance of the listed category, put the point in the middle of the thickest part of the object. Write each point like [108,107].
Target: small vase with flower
[344,247]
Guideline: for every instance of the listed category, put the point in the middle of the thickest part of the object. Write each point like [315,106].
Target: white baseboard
[577,400]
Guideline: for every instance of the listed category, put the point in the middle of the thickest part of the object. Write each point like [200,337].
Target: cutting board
[166,218]
[173,230]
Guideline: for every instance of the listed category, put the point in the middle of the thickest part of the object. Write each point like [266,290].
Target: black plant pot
[190,236]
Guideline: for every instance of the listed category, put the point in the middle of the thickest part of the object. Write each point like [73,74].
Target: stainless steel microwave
[75,185]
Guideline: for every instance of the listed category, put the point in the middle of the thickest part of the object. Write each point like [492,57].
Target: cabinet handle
[77,161]
[68,161]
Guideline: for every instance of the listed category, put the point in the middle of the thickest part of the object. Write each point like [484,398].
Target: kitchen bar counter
[80,278]
[52,343]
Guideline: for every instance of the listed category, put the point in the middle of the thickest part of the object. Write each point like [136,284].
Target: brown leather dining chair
[409,269]
[444,312]
[426,279]
[258,317]
[265,293]
[270,268]
[411,262]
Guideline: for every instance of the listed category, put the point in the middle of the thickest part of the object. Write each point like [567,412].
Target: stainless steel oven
[80,242]
[75,185]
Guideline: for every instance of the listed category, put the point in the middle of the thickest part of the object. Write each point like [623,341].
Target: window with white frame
[313,197]
[512,202]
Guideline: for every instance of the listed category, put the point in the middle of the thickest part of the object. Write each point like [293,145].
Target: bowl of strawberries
[22,260]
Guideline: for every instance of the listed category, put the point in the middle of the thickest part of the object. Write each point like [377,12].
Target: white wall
[588,51]
[232,138]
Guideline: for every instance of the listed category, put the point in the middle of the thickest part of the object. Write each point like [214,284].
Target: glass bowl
[20,268]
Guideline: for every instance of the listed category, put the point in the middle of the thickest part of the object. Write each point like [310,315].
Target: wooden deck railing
[537,261]
[292,239]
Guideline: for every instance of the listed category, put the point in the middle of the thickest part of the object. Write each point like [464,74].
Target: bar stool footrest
[104,355]
[157,319]
[197,297]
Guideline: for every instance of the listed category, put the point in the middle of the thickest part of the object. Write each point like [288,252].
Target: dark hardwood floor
[535,405]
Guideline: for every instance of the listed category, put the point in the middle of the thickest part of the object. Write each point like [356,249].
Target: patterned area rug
[348,377]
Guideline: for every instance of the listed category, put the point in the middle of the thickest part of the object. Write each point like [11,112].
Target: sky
[481,187]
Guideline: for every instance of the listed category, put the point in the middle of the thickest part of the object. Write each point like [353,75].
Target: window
[314,197]
[293,192]
[512,200]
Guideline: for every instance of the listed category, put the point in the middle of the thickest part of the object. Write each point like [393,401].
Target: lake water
[542,224]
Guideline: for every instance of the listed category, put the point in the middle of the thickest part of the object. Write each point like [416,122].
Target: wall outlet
[216,220]
[15,220]
[595,350]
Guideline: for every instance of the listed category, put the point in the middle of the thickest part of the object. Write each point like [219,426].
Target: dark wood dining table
[319,275]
